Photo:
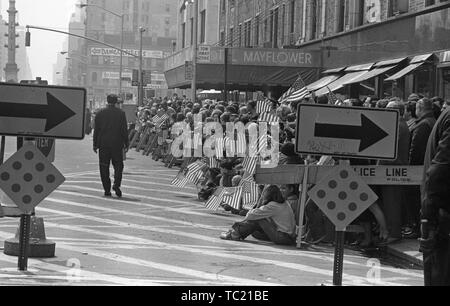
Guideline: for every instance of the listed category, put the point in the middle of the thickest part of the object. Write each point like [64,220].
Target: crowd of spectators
[393,217]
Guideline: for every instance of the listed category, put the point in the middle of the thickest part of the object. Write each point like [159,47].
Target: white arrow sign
[42,111]
[352,132]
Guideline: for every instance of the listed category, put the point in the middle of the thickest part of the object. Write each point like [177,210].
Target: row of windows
[297,21]
[127,61]
[202,25]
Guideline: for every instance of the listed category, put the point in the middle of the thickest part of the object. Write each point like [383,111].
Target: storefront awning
[363,67]
[322,82]
[405,71]
[415,63]
[339,83]
[371,74]
[391,62]
[334,70]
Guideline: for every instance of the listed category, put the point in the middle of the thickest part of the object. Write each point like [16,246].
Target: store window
[424,81]
[446,83]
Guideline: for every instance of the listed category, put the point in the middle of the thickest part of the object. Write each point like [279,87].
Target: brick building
[382,47]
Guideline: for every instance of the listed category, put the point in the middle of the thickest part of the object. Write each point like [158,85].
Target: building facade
[98,66]
[349,36]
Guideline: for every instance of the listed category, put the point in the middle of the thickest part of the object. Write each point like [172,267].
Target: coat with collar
[420,133]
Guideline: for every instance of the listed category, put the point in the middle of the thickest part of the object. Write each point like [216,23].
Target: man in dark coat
[111,138]
[435,213]
[420,132]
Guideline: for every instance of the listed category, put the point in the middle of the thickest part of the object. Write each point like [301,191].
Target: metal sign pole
[302,203]
[24,242]
[338,258]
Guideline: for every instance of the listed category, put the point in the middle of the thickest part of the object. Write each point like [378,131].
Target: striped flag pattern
[262,143]
[195,172]
[211,162]
[180,180]
[268,117]
[241,144]
[249,164]
[232,196]
[215,199]
[250,191]
[160,119]
[219,147]
[264,106]
[297,91]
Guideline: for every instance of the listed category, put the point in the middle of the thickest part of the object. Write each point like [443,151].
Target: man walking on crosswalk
[111,140]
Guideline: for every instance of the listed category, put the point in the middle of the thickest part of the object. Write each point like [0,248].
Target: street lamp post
[141,80]
[195,51]
[121,16]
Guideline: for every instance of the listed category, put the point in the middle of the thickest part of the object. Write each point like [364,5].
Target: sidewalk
[407,249]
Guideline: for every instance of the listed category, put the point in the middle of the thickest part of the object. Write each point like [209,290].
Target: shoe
[118,191]
[108,194]
[230,235]
[226,207]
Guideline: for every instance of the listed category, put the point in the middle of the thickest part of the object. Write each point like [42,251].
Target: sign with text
[47,147]
[204,54]
[42,111]
[371,175]
[347,132]
[116,53]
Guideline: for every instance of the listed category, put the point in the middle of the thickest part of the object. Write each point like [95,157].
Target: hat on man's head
[112,99]
[413,97]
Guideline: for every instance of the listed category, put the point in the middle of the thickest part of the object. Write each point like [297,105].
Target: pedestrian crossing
[160,235]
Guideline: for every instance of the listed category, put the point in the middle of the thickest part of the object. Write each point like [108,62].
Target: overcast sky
[44,45]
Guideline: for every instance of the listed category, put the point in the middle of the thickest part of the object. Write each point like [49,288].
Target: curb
[414,257]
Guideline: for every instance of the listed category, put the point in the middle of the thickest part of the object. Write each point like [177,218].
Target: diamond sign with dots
[28,177]
[342,196]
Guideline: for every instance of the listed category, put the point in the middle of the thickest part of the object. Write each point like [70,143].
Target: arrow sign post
[42,111]
[347,132]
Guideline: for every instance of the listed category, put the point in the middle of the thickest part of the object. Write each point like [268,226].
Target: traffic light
[27,39]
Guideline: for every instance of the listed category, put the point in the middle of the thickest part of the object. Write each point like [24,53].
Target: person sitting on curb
[273,220]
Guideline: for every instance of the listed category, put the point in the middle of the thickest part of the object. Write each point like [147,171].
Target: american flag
[268,117]
[180,180]
[195,172]
[263,106]
[232,196]
[250,194]
[332,98]
[262,143]
[215,199]
[297,91]
[241,144]
[160,119]
[249,164]
[219,146]
[211,162]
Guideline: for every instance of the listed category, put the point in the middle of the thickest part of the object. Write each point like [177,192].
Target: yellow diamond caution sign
[28,177]
[342,196]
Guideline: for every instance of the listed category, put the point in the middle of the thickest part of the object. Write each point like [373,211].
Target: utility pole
[194,53]
[11,70]
[141,80]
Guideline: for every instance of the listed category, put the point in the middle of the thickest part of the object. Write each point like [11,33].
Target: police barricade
[307,175]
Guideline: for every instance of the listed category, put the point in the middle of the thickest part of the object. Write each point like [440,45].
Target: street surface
[158,234]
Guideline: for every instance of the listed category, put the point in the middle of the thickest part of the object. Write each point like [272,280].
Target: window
[239,42]
[192,31]
[256,36]
[292,21]
[283,22]
[247,33]
[183,35]
[340,20]
[222,38]
[274,25]
[203,26]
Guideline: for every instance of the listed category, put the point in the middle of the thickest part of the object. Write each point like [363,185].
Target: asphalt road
[158,234]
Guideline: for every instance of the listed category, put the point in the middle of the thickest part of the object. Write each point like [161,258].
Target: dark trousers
[437,263]
[108,155]
[263,230]
[392,198]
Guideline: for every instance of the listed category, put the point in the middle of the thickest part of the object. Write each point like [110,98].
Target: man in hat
[111,142]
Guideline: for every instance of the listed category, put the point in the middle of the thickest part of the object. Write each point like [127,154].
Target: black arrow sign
[369,133]
[55,112]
